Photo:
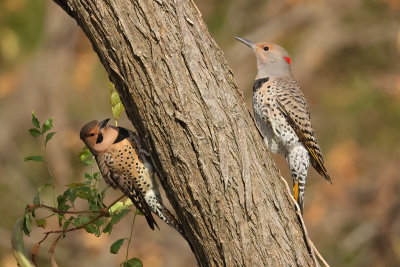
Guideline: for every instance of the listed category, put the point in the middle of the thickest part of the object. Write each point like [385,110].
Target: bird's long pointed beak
[245,41]
[103,124]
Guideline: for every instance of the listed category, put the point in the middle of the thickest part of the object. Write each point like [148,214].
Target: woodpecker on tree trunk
[282,115]
[123,164]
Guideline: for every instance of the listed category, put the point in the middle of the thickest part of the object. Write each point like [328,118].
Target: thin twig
[318,254]
[43,239]
[35,251]
[53,262]
[32,207]
[130,236]
[36,247]
[197,9]
[53,245]
[103,212]
[48,168]
[310,244]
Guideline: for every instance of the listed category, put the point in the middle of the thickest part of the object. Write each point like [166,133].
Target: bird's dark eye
[266,48]
[92,134]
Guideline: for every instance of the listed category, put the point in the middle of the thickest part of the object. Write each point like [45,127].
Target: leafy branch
[97,219]
[36,131]
[102,213]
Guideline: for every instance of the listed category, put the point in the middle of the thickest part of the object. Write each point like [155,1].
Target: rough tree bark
[181,96]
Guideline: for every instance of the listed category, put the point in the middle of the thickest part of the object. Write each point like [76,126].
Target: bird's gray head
[272,60]
[98,135]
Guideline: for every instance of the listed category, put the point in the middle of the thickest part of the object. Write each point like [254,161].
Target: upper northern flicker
[282,115]
[123,164]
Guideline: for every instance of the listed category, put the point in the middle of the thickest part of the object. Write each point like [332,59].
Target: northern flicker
[282,115]
[123,165]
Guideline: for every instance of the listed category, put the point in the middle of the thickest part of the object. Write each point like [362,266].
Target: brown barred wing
[124,174]
[133,192]
[293,105]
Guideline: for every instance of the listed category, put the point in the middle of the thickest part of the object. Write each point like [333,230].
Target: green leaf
[116,245]
[99,222]
[103,192]
[138,212]
[40,188]
[117,110]
[93,204]
[66,224]
[84,153]
[75,185]
[134,262]
[91,228]
[99,202]
[89,161]
[35,120]
[27,224]
[128,203]
[47,125]
[96,175]
[34,158]
[34,132]
[60,220]
[115,98]
[71,195]
[41,223]
[108,228]
[80,221]
[86,156]
[82,194]
[116,207]
[48,184]
[36,199]
[117,217]
[112,87]
[18,244]
[77,221]
[62,203]
[48,137]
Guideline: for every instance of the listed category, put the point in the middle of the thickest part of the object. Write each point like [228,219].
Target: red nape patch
[288,60]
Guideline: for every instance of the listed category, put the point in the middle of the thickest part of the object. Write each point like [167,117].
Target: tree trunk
[181,96]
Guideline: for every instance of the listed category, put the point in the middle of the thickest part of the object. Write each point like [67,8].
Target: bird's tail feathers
[151,222]
[164,214]
[298,193]
[174,222]
[320,168]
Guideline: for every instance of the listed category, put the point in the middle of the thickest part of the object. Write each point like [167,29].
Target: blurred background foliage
[345,55]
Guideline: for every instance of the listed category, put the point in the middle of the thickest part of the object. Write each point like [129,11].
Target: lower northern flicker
[123,165]
[282,115]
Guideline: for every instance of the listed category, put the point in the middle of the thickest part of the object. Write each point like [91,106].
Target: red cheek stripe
[288,60]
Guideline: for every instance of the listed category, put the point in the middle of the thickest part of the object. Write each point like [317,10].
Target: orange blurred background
[346,56]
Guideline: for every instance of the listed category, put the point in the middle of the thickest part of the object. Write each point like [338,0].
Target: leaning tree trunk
[181,96]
